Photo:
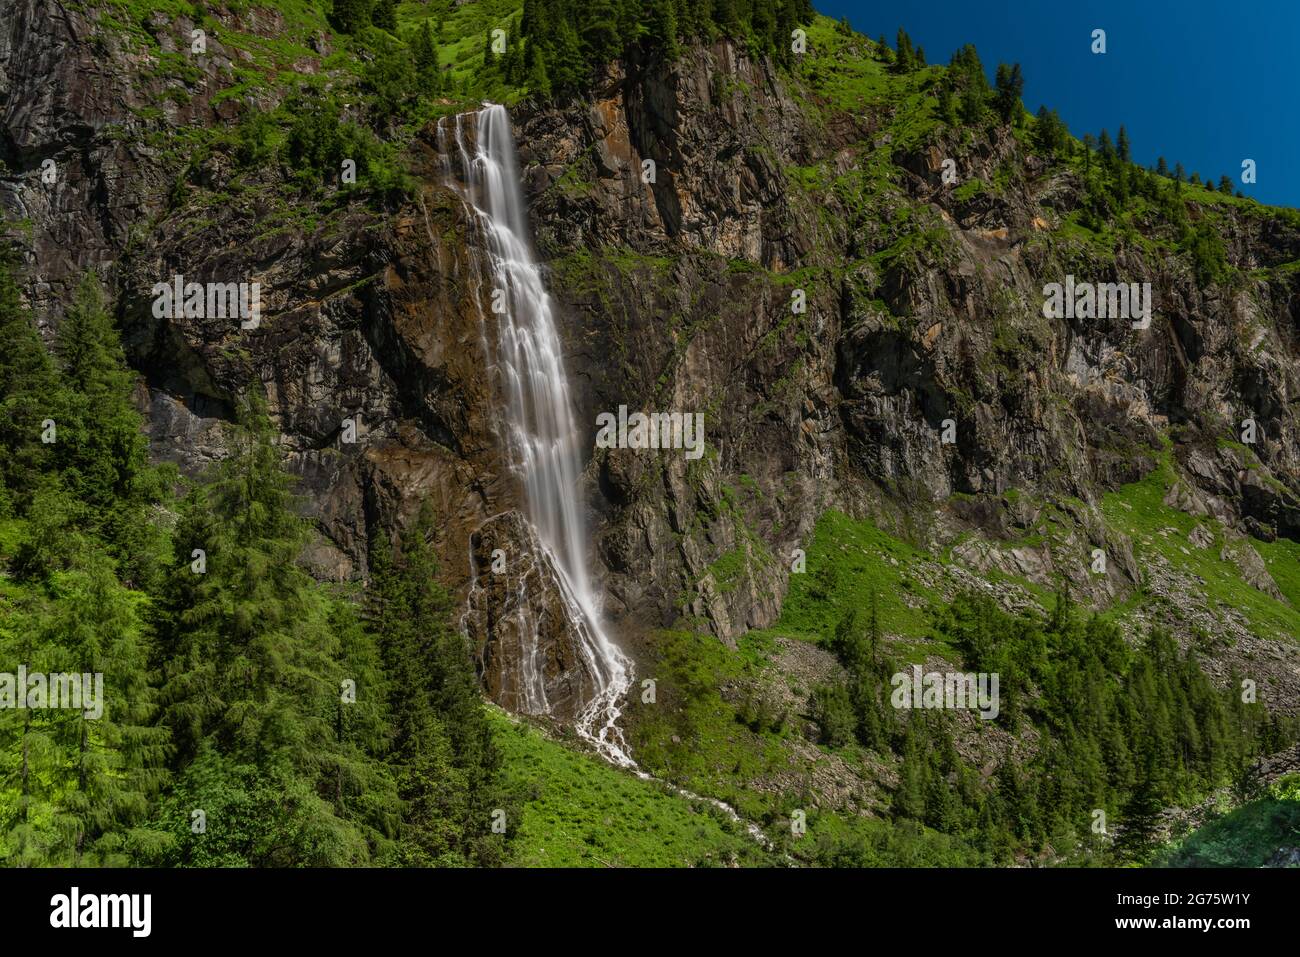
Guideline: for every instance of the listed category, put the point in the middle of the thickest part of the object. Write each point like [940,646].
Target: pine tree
[1106,149]
[566,67]
[384,15]
[1122,145]
[349,16]
[115,759]
[29,391]
[966,68]
[1049,132]
[102,451]
[832,709]
[424,53]
[972,106]
[30,755]
[727,17]
[253,670]
[782,35]
[851,644]
[661,27]
[602,40]
[536,76]
[1140,818]
[913,773]
[1009,87]
[947,108]
[904,59]
[447,764]
[512,64]
[943,810]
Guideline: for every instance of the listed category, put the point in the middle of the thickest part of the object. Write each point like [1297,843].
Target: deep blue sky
[1201,82]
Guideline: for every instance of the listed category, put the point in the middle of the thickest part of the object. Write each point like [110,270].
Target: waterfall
[543,442]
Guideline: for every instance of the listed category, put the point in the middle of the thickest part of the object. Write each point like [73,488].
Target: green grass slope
[578,811]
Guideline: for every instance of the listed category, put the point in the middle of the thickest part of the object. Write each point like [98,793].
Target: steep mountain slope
[796,269]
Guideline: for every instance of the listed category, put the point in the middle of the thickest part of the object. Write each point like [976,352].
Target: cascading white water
[543,440]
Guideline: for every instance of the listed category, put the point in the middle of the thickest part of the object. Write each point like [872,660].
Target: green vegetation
[566,41]
[848,74]
[862,598]
[314,727]
[1161,534]
[693,736]
[1247,836]
[576,811]
[850,564]
[234,684]
[1126,730]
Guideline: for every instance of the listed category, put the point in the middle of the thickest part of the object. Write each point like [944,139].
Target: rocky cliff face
[846,404]
[680,292]
[793,269]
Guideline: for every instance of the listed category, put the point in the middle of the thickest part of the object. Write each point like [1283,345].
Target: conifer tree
[1140,818]
[29,391]
[101,453]
[253,670]
[535,74]
[913,773]
[972,106]
[113,756]
[384,15]
[1106,149]
[447,764]
[904,58]
[1009,86]
[661,26]
[424,53]
[30,754]
[1049,132]
[947,108]
[350,16]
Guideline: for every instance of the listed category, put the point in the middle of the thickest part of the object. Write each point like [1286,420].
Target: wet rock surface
[517,594]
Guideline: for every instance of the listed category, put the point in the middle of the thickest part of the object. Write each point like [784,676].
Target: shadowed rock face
[675,295]
[516,594]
